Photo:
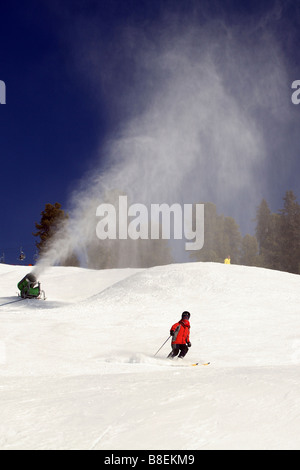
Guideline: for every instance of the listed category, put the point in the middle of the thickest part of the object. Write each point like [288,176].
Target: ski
[190,365]
[200,364]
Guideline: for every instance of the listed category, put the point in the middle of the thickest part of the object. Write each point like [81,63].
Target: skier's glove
[171,333]
[189,344]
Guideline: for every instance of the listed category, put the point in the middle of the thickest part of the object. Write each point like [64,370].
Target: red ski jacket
[181,332]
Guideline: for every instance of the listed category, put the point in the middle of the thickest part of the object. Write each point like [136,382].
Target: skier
[180,333]
[227,260]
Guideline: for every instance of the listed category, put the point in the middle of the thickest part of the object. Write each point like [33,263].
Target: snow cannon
[30,288]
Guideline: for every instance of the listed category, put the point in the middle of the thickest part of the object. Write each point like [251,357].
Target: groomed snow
[77,370]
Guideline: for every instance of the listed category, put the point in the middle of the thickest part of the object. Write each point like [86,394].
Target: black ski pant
[178,348]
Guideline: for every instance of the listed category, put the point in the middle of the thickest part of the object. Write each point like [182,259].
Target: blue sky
[56,117]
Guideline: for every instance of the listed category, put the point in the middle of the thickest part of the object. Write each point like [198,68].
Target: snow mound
[78,371]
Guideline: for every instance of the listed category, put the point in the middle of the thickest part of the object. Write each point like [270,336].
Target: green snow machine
[30,288]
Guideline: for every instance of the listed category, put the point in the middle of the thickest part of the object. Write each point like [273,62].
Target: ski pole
[162,345]
[12,302]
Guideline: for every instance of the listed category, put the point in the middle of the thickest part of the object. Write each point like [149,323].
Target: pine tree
[249,251]
[289,234]
[278,235]
[267,226]
[51,219]
[263,225]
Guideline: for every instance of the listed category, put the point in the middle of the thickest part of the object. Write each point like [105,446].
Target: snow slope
[77,371]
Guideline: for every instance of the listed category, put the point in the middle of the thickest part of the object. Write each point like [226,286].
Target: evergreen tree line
[278,235]
[276,244]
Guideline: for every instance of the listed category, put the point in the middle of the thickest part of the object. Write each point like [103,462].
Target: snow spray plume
[59,247]
[193,113]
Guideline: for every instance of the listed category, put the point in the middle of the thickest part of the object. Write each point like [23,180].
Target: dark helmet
[185,316]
